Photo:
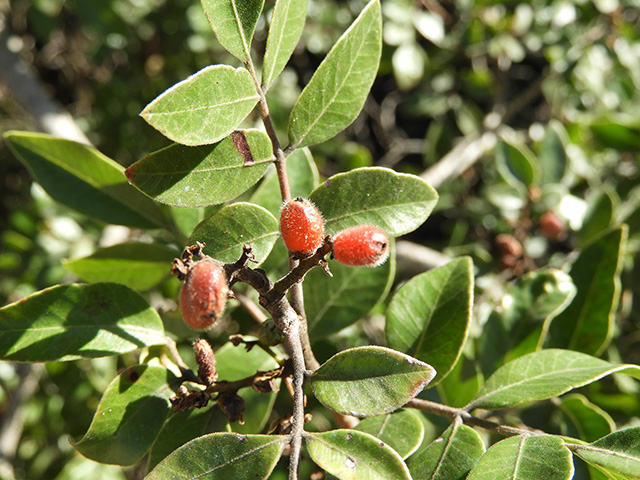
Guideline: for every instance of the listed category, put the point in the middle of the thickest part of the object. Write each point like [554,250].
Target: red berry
[360,246]
[552,227]
[301,226]
[204,294]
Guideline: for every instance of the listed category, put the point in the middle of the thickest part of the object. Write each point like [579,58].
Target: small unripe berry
[361,246]
[301,226]
[204,294]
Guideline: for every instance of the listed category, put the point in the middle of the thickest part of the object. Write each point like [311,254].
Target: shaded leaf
[137,265]
[449,457]
[67,322]
[204,108]
[395,202]
[544,374]
[599,216]
[621,133]
[517,164]
[84,179]
[462,384]
[233,22]
[222,456]
[402,430]
[336,93]
[618,453]
[199,176]
[368,381]
[525,458]
[428,318]
[553,155]
[231,227]
[129,416]
[353,455]
[589,420]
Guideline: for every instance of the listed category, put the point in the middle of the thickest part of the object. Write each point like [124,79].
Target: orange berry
[301,226]
[204,294]
[360,246]
[552,227]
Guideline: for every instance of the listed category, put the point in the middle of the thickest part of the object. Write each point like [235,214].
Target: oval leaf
[231,227]
[517,164]
[449,457]
[336,93]
[542,375]
[553,154]
[204,108]
[589,420]
[428,318]
[353,455]
[67,322]
[233,22]
[368,381]
[619,132]
[222,456]
[129,416]
[525,458]
[139,266]
[207,175]
[403,430]
[84,179]
[286,26]
[396,202]
[618,452]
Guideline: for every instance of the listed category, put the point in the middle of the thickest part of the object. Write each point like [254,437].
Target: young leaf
[369,381]
[402,430]
[139,266]
[618,452]
[233,22]
[353,455]
[525,458]
[544,374]
[428,318]
[336,93]
[286,26]
[517,164]
[222,456]
[589,420]
[333,303]
[67,322]
[587,323]
[231,227]
[204,108]
[450,457]
[82,178]
[129,416]
[206,175]
[395,202]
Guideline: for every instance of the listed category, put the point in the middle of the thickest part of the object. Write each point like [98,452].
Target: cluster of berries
[206,287]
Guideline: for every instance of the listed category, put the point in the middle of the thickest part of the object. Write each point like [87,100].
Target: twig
[413,258]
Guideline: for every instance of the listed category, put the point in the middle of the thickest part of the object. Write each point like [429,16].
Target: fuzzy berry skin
[301,226]
[361,246]
[204,294]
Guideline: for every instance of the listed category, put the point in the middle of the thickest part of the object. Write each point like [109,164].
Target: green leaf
[67,322]
[428,318]
[333,303]
[302,175]
[183,427]
[222,456]
[200,176]
[517,164]
[618,453]
[204,108]
[599,216]
[525,458]
[462,384]
[450,457]
[402,430]
[287,22]
[129,416]
[139,266]
[395,202]
[544,374]
[233,22]
[231,227]
[590,421]
[369,381]
[587,323]
[552,154]
[336,93]
[235,363]
[82,178]
[621,133]
[353,455]
[519,323]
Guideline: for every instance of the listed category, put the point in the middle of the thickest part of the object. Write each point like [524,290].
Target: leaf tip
[130,173]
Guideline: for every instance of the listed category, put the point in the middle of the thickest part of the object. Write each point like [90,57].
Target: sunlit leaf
[618,452]
[402,430]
